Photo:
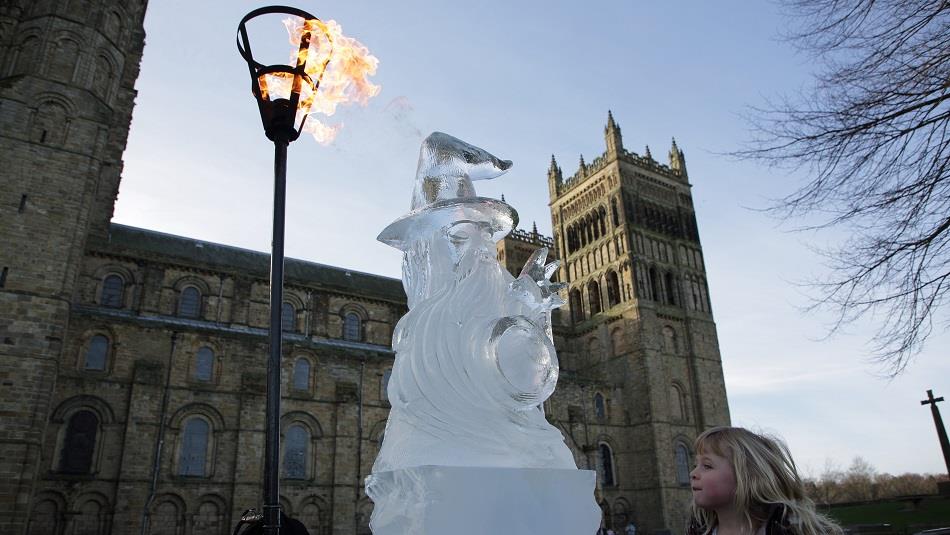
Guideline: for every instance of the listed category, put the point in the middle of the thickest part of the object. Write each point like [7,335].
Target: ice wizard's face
[448,255]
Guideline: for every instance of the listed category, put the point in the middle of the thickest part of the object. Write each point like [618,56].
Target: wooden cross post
[941,430]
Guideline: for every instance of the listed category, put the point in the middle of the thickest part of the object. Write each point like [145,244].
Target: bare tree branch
[872,135]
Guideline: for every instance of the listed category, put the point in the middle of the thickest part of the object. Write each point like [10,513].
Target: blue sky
[526,80]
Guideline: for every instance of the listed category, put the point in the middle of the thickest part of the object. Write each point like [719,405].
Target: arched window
[194,448]
[593,297]
[606,465]
[96,353]
[670,288]
[79,444]
[208,518]
[302,374]
[27,56]
[352,327]
[165,519]
[600,406]
[89,519]
[384,385]
[295,452]
[45,518]
[676,403]
[621,516]
[288,317]
[312,517]
[112,287]
[204,365]
[613,289]
[654,285]
[682,464]
[189,302]
[577,311]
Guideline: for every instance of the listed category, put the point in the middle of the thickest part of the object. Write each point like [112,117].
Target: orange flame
[340,64]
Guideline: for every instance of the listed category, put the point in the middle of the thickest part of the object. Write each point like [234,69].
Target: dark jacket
[776,523]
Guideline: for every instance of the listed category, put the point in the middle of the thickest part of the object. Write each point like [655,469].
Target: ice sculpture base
[453,500]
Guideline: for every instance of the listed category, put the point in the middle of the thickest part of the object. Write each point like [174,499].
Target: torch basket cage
[280,116]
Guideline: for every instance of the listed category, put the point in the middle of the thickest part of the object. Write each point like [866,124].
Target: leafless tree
[872,136]
[861,482]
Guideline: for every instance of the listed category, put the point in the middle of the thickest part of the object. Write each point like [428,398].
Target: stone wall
[66,92]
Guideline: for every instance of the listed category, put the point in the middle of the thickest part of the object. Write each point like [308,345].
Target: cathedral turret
[677,160]
[65,107]
[613,137]
[582,168]
[554,178]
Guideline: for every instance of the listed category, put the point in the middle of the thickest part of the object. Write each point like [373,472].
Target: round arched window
[352,327]
[189,302]
[97,353]
[112,287]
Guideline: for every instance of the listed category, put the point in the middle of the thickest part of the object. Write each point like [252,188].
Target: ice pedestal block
[454,500]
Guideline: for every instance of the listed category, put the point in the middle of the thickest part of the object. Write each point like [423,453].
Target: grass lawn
[903,515]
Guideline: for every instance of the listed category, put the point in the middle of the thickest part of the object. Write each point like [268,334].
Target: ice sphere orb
[526,359]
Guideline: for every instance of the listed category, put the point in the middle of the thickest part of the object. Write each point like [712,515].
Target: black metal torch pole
[272,426]
[283,117]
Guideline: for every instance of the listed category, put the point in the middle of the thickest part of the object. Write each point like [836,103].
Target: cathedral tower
[642,374]
[67,75]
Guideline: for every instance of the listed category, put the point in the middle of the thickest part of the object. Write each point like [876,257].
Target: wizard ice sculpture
[467,449]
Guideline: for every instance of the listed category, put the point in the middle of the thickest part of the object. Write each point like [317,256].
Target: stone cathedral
[132,362]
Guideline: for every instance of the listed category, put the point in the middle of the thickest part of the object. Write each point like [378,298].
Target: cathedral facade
[132,362]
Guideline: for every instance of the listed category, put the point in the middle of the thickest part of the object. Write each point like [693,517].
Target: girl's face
[713,482]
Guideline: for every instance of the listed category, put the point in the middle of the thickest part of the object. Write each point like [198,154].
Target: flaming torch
[322,58]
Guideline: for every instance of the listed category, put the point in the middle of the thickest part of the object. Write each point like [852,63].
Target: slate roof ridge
[251,251]
[216,254]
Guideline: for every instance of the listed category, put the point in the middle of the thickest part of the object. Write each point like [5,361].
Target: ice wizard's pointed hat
[444,194]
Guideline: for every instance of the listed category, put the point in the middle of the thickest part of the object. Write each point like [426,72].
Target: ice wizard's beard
[449,406]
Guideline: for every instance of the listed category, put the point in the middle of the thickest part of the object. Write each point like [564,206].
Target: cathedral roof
[168,248]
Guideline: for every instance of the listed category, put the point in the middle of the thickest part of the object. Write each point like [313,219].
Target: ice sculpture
[467,449]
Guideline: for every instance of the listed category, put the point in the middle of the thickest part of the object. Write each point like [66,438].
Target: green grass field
[904,516]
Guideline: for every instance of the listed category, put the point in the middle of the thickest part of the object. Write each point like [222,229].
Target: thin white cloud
[773,378]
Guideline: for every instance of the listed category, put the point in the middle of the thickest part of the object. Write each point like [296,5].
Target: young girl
[747,484]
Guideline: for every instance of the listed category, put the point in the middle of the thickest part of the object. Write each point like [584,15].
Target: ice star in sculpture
[536,273]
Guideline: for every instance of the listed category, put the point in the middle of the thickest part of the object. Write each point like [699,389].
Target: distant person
[630,529]
[746,484]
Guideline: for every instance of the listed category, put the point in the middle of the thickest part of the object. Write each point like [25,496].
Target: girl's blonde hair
[765,476]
